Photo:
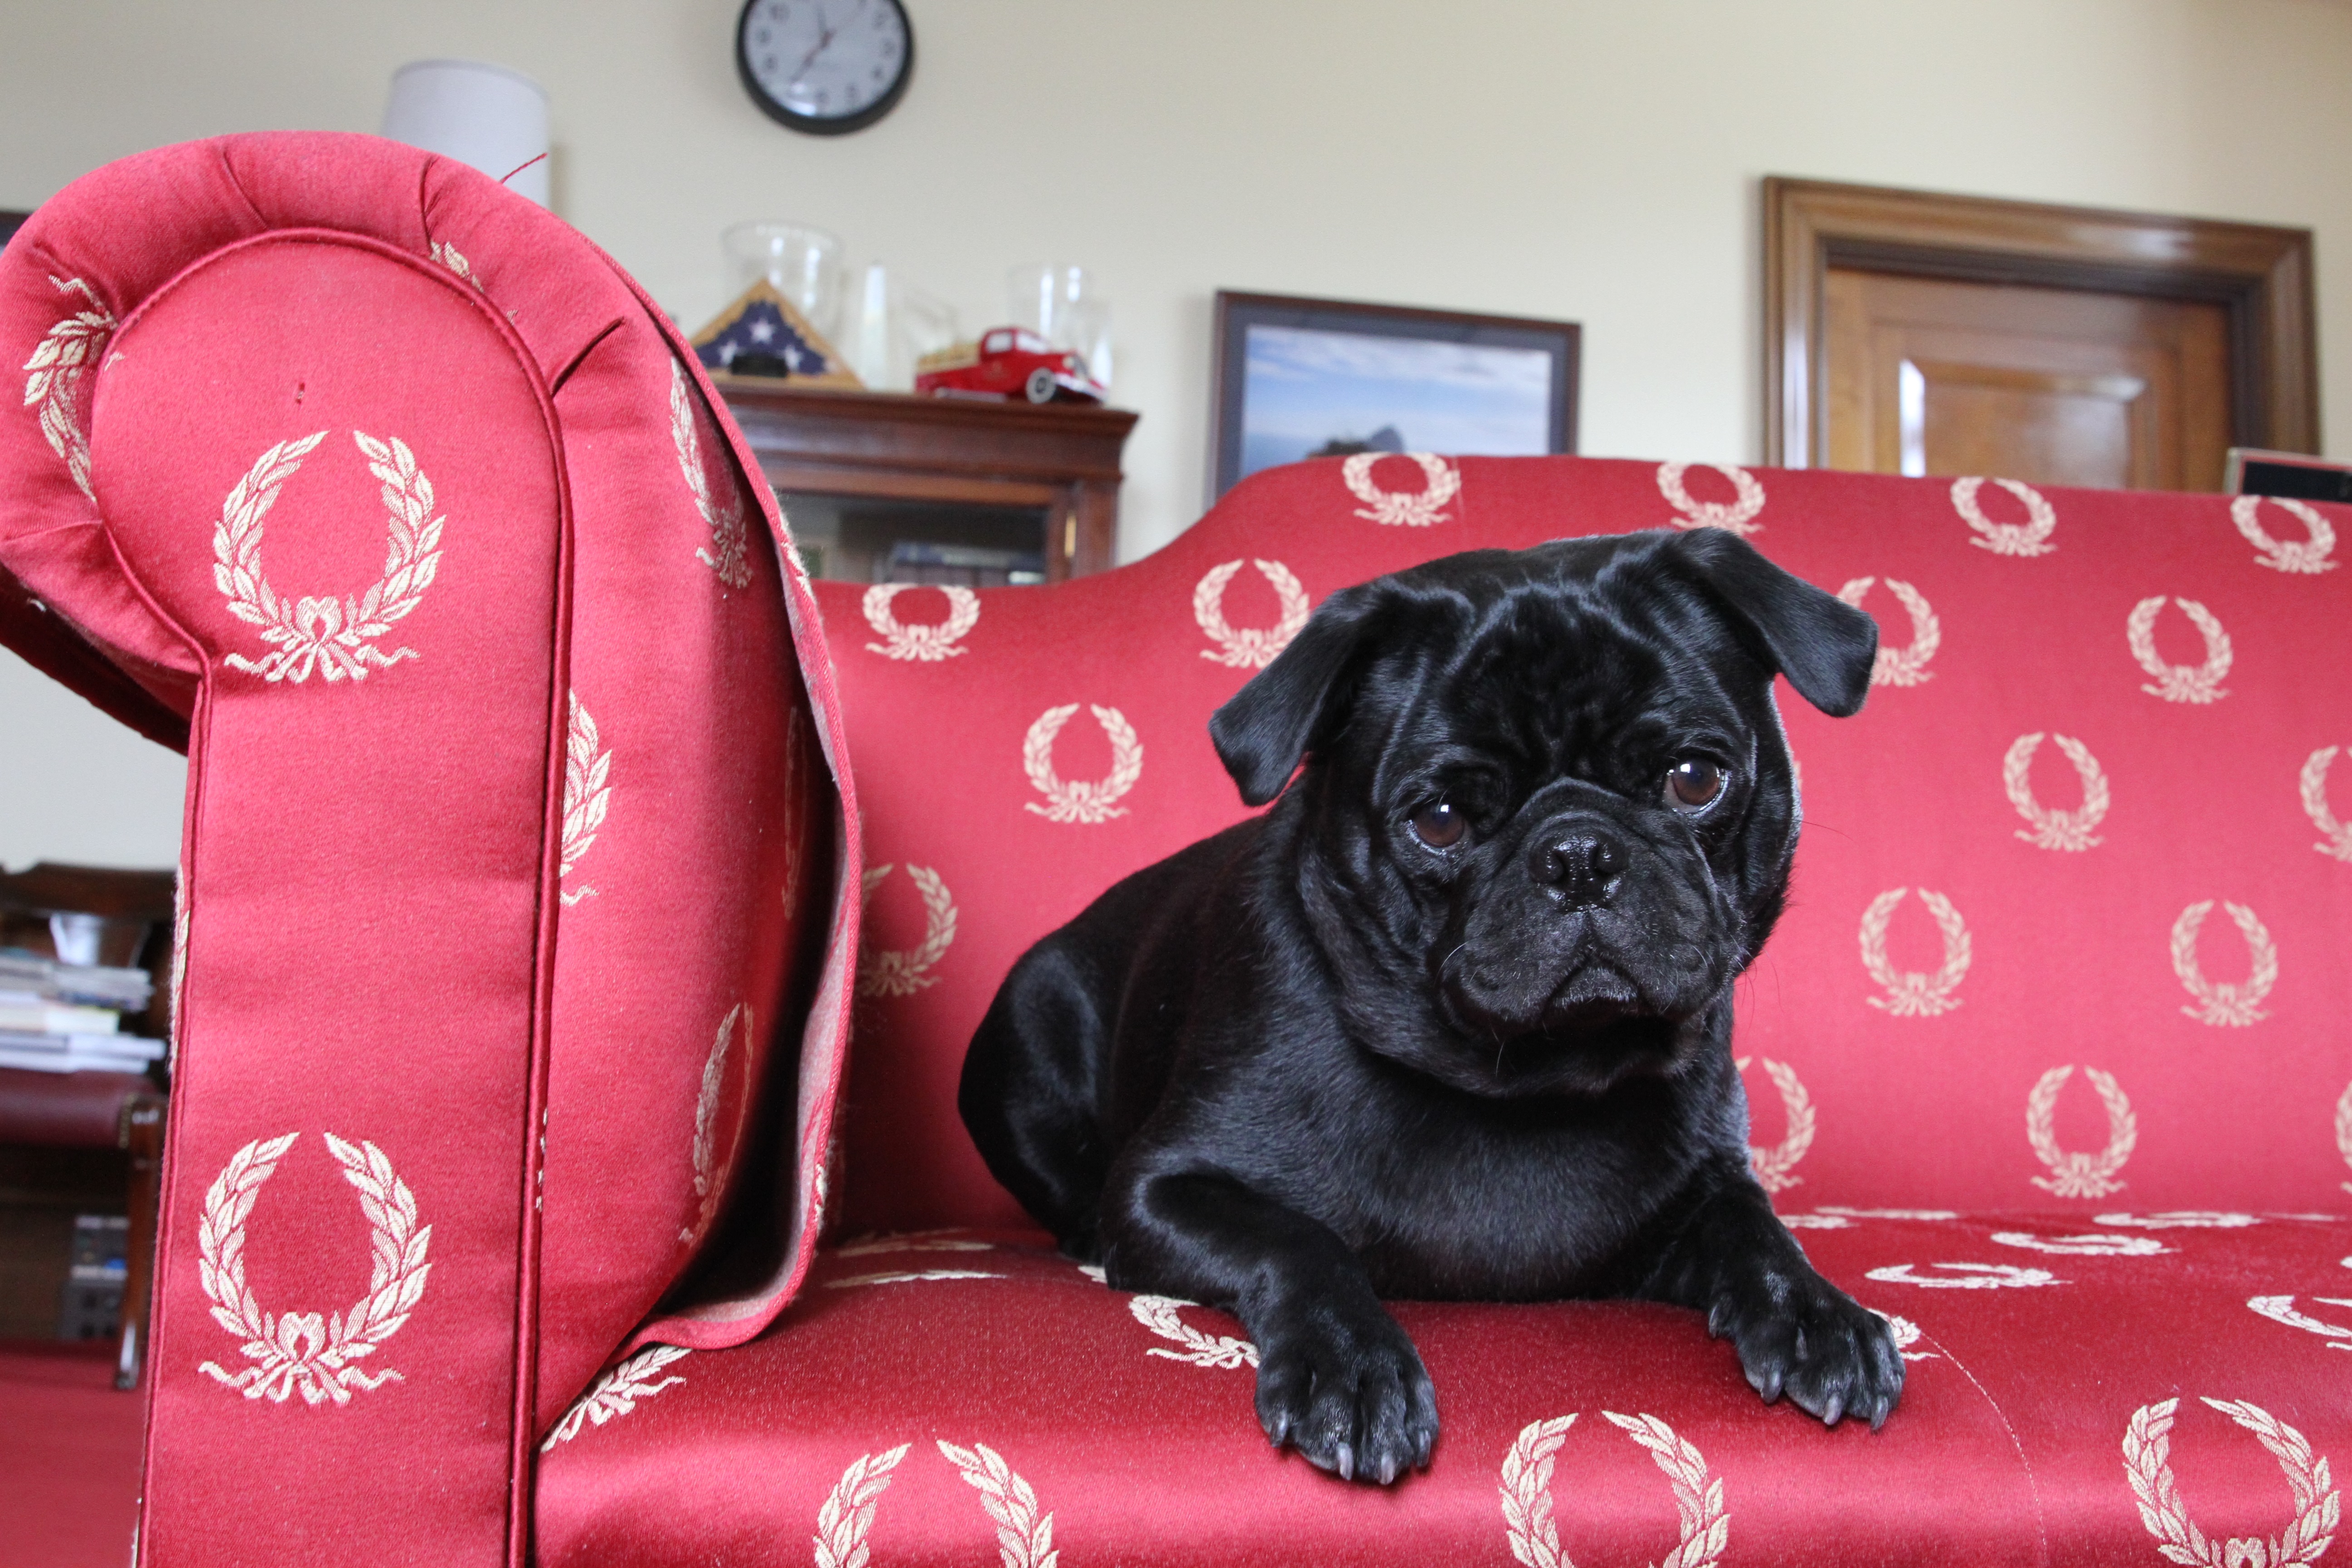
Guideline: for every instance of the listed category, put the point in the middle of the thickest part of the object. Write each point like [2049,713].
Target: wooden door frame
[2262,274]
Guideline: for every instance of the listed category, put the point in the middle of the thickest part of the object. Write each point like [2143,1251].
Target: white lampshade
[487,116]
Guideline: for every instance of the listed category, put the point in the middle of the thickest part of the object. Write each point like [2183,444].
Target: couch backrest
[2072,907]
[511,852]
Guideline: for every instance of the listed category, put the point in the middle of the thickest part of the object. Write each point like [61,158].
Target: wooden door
[2063,386]
[1913,333]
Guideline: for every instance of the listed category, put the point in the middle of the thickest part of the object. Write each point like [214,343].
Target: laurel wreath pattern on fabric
[61,362]
[2054,829]
[1704,1524]
[2180,682]
[2309,555]
[1442,481]
[1251,647]
[2314,786]
[450,256]
[923,643]
[2225,1003]
[2092,1245]
[2281,1310]
[847,1512]
[1735,516]
[587,790]
[2078,1174]
[1902,666]
[709,1184]
[1966,1277]
[617,1392]
[902,971]
[299,1352]
[1772,1166]
[2179,1219]
[1911,993]
[1158,1313]
[2031,537]
[1024,1536]
[1907,1335]
[2147,1456]
[908,1276]
[334,637]
[2343,1124]
[729,551]
[1082,800]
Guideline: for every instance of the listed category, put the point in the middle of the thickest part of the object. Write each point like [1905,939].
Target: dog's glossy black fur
[1454,1019]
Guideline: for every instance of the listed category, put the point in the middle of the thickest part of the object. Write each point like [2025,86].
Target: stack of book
[68,1017]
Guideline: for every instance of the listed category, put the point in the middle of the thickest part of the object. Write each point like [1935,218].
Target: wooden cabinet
[1046,477]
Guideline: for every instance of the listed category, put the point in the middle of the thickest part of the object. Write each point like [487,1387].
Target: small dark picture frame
[1299,378]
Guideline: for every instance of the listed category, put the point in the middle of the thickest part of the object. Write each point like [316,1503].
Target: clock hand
[824,39]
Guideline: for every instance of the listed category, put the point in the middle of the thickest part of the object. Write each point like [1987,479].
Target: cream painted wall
[1593,160]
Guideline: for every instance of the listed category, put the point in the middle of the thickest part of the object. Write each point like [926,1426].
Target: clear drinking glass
[1061,304]
[802,263]
[893,324]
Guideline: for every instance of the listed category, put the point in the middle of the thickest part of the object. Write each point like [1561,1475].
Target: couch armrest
[307,484]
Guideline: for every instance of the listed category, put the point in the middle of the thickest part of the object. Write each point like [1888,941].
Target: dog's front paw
[1349,1392]
[1804,1337]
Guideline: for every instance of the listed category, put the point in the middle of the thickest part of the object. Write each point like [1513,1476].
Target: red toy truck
[1009,363]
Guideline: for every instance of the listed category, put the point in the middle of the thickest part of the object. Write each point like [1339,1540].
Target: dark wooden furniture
[1061,458]
[100,1110]
[2260,277]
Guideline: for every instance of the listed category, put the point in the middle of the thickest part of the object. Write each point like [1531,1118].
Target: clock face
[825,66]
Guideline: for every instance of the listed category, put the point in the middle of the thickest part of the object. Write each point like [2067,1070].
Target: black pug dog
[1454,1019]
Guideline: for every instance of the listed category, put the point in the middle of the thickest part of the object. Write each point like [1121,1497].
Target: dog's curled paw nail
[1351,1395]
[1831,1357]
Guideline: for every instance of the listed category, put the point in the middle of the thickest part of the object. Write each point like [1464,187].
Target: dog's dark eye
[1440,825]
[1694,784]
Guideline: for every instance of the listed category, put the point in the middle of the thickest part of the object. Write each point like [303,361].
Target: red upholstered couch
[2049,1057]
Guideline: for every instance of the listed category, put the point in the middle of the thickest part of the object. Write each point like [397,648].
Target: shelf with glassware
[1001,469]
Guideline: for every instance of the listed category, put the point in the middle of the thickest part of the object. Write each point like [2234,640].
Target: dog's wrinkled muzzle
[1582,926]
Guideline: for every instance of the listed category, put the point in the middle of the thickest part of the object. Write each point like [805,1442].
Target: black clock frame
[814,125]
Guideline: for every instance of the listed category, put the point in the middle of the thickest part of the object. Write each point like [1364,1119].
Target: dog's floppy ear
[1823,645]
[1293,705]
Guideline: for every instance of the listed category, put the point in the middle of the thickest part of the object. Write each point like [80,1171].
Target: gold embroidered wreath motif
[2074,1173]
[2147,1462]
[1526,1492]
[1912,993]
[1773,1167]
[297,1353]
[335,636]
[63,359]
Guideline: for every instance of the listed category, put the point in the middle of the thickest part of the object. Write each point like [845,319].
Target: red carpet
[69,1457]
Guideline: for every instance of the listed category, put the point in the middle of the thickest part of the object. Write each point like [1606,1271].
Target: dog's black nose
[1584,866]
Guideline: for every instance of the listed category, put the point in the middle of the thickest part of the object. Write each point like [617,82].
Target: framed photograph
[1325,378]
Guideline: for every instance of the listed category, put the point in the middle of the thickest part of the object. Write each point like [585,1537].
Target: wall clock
[827,66]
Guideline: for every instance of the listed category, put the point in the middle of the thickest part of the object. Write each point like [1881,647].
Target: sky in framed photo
[1305,389]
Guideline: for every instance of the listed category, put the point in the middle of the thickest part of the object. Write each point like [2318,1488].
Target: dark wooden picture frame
[1238,313]
[2262,274]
